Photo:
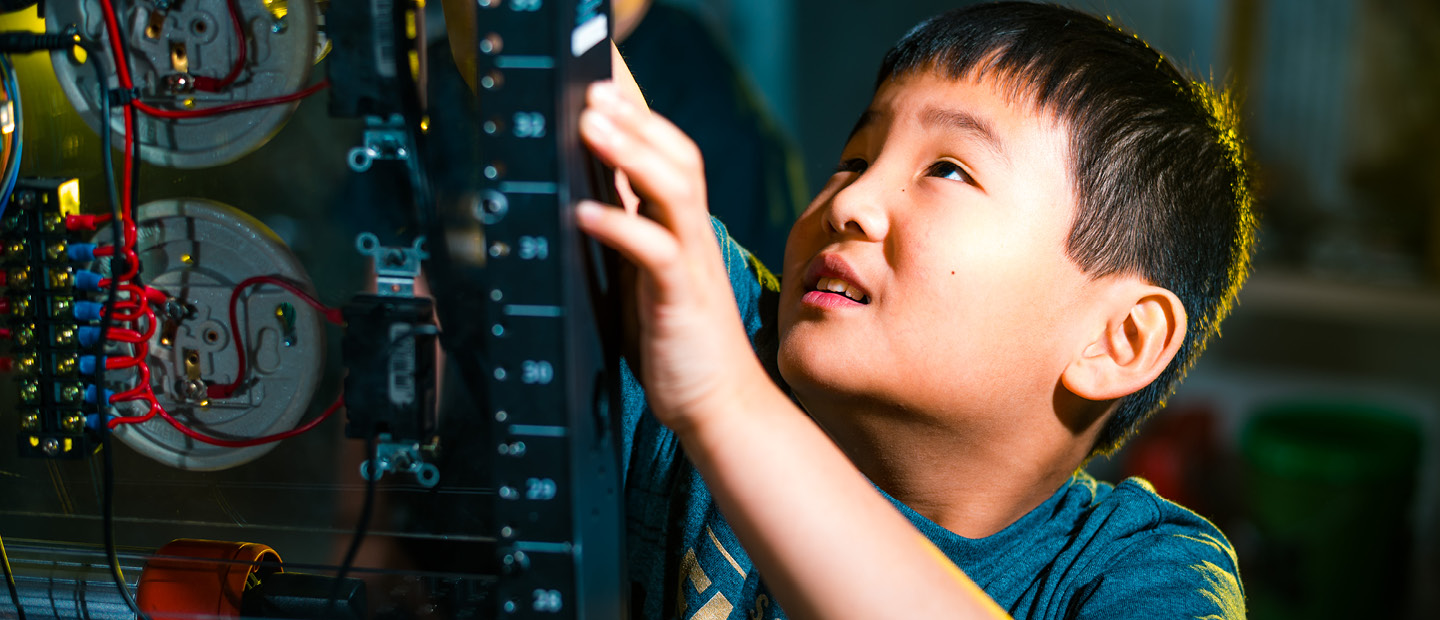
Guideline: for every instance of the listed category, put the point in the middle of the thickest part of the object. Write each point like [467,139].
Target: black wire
[10,581]
[107,501]
[372,454]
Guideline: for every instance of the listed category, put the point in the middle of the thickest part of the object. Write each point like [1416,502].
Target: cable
[12,174]
[372,453]
[10,581]
[107,501]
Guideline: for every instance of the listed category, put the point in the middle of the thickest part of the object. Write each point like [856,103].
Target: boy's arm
[829,545]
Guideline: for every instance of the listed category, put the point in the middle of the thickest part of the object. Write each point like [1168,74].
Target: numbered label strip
[540,377]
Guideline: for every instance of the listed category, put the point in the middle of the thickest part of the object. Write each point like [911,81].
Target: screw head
[73,423]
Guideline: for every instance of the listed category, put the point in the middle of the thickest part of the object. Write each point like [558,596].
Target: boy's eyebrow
[966,123]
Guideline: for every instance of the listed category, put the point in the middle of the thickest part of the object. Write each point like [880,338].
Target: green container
[1330,488]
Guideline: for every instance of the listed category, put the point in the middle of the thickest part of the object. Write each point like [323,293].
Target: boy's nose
[858,209]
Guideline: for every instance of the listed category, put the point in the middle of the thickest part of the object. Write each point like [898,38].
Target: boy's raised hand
[694,357]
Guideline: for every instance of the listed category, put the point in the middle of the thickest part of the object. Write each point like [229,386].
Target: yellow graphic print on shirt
[701,596]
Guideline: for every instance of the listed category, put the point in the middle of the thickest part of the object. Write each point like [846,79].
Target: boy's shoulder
[1102,551]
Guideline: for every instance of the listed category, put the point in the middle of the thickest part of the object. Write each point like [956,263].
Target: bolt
[20,278]
[66,365]
[29,392]
[193,390]
[70,393]
[24,336]
[73,423]
[30,422]
[51,446]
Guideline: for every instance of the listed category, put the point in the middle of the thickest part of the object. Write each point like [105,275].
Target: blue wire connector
[88,364]
[88,310]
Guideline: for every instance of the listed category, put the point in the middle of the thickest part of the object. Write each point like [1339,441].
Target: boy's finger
[675,190]
[646,244]
[647,126]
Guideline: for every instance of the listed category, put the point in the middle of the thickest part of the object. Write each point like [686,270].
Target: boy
[1034,227]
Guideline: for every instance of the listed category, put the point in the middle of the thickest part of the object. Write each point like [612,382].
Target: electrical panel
[295,320]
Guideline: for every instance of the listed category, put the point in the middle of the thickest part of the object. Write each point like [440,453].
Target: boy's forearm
[828,544]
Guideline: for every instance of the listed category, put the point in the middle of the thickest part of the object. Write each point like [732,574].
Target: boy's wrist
[734,413]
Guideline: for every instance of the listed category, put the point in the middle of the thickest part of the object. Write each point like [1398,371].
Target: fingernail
[594,123]
[604,92]
[587,210]
[608,96]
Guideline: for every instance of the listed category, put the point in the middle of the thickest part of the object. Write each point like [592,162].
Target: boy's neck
[974,479]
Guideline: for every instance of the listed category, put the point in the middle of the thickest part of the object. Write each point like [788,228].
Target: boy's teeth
[836,285]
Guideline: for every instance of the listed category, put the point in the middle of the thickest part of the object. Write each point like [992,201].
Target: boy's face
[946,222]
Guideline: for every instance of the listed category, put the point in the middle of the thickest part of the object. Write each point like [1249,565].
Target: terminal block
[48,319]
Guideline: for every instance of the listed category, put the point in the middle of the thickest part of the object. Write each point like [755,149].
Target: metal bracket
[395,267]
[399,457]
[385,139]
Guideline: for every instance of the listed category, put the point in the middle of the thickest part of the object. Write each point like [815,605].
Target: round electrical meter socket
[169,49]
[198,252]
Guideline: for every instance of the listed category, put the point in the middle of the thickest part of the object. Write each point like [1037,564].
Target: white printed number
[542,489]
[534,248]
[546,600]
[529,124]
[525,5]
[539,372]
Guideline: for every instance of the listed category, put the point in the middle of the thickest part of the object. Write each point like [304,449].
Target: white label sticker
[402,364]
[588,34]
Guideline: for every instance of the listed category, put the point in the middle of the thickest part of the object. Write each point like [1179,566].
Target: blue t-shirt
[1091,550]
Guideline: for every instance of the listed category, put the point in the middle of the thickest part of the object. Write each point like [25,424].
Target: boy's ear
[1143,330]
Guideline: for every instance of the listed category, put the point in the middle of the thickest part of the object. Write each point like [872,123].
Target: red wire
[231,107]
[130,419]
[332,315]
[122,67]
[211,84]
[239,443]
[140,298]
[118,363]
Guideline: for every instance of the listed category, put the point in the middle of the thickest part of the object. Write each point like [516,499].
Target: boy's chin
[818,377]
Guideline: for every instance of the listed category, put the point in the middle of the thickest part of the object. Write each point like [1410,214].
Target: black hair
[1155,158]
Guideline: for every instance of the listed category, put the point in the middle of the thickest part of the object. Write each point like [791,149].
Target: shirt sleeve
[1166,575]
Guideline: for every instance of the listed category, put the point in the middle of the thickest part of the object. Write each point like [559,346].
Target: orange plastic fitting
[190,578]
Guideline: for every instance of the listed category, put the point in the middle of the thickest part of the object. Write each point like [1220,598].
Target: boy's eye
[950,170]
[854,164]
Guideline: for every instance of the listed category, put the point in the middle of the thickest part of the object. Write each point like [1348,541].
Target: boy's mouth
[836,285]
